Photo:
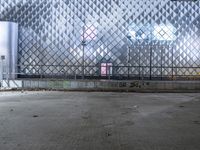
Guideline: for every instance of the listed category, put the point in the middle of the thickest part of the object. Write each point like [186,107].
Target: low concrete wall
[104,85]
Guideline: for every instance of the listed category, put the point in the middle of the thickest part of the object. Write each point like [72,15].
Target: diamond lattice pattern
[141,38]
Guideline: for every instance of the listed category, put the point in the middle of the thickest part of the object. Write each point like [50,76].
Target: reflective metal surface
[152,39]
[8,49]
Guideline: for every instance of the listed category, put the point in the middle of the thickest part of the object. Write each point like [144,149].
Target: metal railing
[117,73]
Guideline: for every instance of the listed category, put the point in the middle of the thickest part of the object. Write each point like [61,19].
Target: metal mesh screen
[141,38]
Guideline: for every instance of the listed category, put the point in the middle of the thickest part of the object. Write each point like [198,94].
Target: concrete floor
[99,121]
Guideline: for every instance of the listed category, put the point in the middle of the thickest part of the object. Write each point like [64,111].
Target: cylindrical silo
[8,50]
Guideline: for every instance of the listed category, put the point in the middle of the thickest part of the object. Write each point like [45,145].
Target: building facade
[124,39]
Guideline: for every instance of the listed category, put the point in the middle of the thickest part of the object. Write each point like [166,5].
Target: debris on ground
[35,116]
[108,134]
[181,106]
[196,122]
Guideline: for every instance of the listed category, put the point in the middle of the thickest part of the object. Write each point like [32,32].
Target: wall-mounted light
[3,57]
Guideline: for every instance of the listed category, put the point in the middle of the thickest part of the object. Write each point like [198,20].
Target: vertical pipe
[128,54]
[1,71]
[161,62]
[172,63]
[83,74]
[140,65]
[83,46]
[129,62]
[151,62]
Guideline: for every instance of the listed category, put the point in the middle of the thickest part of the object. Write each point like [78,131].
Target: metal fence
[89,39]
